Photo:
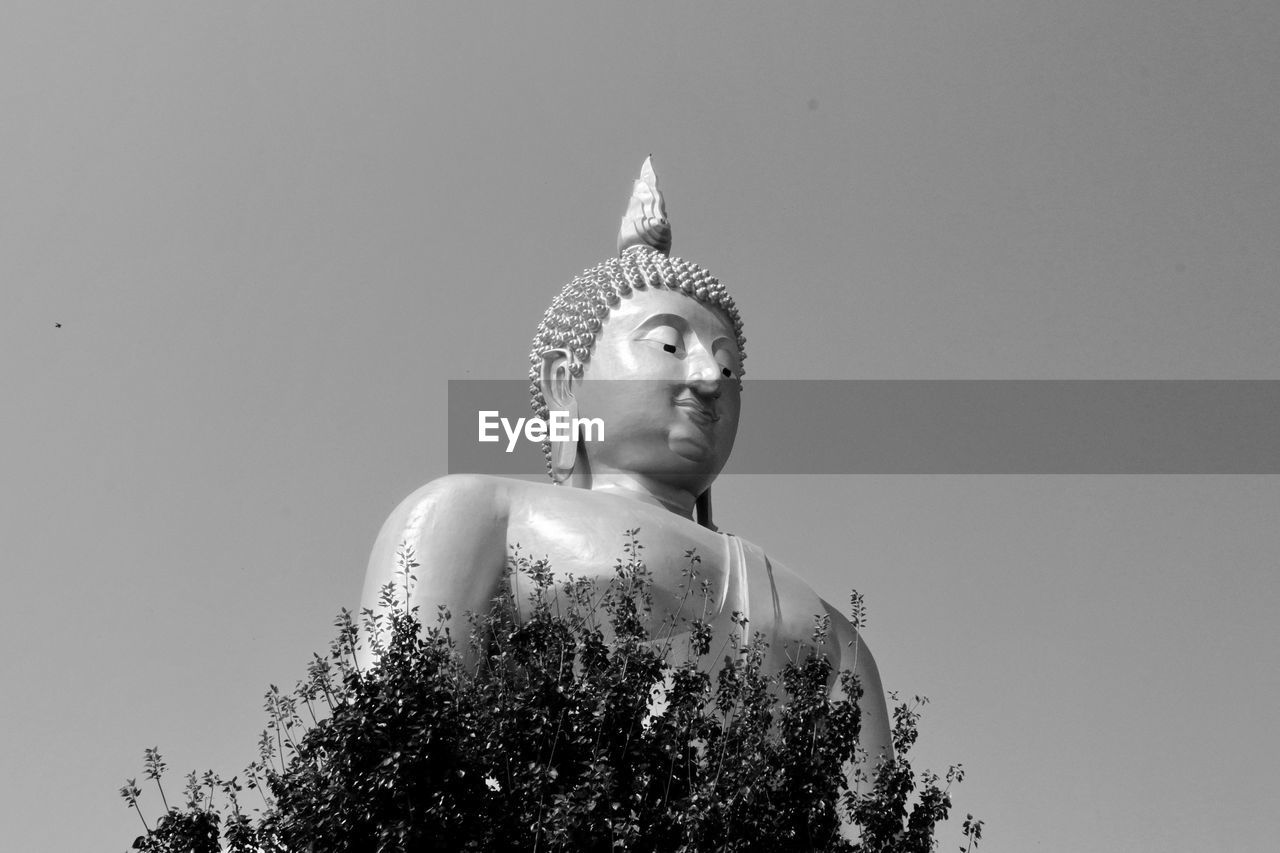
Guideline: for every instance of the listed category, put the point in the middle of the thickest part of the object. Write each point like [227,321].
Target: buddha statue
[652,345]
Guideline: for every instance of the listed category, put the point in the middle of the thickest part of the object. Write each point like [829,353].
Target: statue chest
[587,539]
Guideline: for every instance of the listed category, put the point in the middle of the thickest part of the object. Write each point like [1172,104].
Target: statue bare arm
[456,528]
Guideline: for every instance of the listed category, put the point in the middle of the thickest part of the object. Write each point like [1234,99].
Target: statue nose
[704,374]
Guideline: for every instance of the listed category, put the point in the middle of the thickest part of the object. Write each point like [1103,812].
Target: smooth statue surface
[653,346]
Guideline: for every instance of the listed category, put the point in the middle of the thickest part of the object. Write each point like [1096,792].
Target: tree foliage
[569,724]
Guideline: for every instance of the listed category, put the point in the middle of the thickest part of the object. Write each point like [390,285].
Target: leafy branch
[568,720]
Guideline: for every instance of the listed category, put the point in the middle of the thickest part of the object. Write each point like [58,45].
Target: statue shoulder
[458,510]
[469,490]
[455,528]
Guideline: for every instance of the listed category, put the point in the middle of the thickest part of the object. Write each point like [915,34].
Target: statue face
[663,377]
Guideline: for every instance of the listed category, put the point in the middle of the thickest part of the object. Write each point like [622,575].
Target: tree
[572,728]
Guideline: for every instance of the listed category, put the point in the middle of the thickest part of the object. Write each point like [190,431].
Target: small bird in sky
[57,325]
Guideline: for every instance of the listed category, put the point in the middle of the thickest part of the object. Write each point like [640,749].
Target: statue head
[642,315]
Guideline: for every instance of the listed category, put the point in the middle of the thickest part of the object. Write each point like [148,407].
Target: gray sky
[271,232]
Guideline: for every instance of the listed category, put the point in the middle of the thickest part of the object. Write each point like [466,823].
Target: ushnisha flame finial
[645,222]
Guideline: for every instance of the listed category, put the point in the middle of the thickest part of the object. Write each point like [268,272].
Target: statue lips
[698,411]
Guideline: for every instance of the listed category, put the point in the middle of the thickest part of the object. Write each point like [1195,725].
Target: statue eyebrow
[674,320]
[725,342]
[681,325]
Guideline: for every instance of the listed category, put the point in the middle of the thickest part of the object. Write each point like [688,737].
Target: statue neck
[641,488]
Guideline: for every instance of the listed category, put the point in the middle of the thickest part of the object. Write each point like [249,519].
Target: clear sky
[271,232]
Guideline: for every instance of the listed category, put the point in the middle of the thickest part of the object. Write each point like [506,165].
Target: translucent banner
[915,426]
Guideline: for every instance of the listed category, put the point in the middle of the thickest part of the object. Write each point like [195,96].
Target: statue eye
[728,362]
[666,337]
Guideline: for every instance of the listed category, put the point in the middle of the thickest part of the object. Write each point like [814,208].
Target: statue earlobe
[556,380]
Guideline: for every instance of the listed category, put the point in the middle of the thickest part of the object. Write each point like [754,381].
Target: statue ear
[556,380]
